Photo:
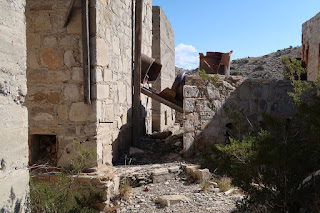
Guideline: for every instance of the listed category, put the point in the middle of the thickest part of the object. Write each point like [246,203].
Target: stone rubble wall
[208,109]
[14,175]
[163,50]
[311,46]
[55,98]
[113,65]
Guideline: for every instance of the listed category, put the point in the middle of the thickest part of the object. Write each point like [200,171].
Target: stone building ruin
[311,46]
[45,104]
[57,109]
[14,174]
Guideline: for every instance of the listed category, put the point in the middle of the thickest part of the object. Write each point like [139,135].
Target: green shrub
[59,197]
[271,165]
[236,73]
[259,67]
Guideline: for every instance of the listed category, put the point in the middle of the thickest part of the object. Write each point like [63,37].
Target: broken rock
[161,135]
[161,175]
[203,175]
[168,200]
[135,151]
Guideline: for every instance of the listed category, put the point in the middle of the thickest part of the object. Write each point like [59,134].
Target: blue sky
[248,27]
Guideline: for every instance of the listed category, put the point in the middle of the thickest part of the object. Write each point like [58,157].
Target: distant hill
[268,66]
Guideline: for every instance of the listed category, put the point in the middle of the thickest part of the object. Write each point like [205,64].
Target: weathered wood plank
[137,75]
[86,50]
[67,16]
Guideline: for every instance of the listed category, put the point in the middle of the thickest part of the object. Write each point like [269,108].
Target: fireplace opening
[43,150]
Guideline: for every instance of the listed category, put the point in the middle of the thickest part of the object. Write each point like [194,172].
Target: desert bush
[277,165]
[58,197]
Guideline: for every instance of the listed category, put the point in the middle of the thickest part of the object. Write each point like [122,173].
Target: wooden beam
[86,50]
[136,121]
[67,16]
[156,97]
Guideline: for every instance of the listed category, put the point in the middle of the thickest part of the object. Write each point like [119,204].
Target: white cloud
[187,56]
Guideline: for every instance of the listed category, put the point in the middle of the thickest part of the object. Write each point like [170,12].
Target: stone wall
[163,50]
[311,46]
[113,66]
[55,98]
[14,175]
[211,111]
[55,80]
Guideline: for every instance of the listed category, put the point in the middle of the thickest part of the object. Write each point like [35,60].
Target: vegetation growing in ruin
[295,71]
[213,79]
[59,196]
[278,165]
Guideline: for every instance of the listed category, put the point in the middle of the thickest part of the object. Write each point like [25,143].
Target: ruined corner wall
[249,97]
[311,46]
[163,50]
[55,98]
[14,175]
[113,65]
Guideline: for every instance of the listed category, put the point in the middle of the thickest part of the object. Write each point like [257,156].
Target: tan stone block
[122,93]
[107,154]
[30,22]
[79,112]
[50,41]
[42,113]
[33,40]
[100,56]
[43,22]
[74,25]
[103,91]
[50,58]
[63,112]
[71,93]
[107,75]
[37,97]
[70,41]
[32,60]
[69,60]
[53,98]
[57,76]
[116,45]
[77,74]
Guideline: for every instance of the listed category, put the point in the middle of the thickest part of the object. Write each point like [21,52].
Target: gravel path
[198,201]
[143,197]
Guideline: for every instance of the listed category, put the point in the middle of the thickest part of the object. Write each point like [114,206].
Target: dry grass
[224,184]
[205,186]
[125,190]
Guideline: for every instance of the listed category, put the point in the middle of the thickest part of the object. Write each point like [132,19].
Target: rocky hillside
[268,66]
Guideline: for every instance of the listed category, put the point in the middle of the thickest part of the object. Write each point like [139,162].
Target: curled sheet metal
[150,69]
[215,63]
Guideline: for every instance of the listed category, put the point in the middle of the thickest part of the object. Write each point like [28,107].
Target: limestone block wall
[163,50]
[311,46]
[55,80]
[113,64]
[14,175]
[209,111]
